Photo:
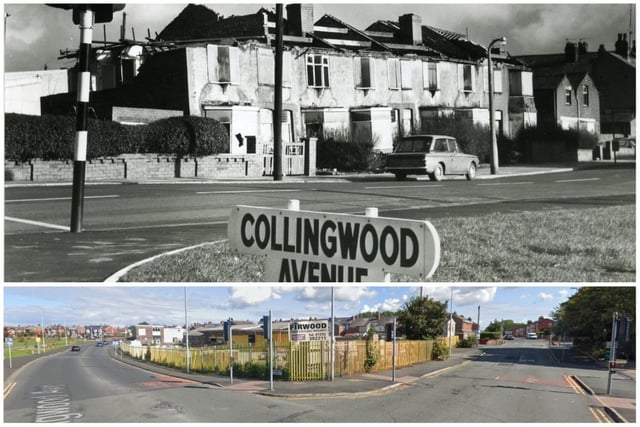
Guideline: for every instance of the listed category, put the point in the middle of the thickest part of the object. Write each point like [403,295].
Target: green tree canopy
[422,318]
[587,315]
[500,325]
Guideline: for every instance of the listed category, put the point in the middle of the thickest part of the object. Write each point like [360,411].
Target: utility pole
[186,326]
[277,100]
[612,351]
[478,337]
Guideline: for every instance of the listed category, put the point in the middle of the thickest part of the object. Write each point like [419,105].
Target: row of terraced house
[378,83]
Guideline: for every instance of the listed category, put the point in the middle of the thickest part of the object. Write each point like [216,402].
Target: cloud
[389,304]
[545,296]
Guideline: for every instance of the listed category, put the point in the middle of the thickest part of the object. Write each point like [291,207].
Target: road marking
[599,415]
[284,190]
[50,199]
[508,183]
[403,186]
[578,180]
[8,389]
[573,384]
[37,223]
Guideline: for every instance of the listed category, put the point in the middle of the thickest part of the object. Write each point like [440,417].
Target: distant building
[611,73]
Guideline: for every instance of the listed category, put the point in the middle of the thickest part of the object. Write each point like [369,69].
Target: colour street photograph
[433,354]
[332,143]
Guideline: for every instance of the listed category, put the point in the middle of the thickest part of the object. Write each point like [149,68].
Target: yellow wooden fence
[303,361]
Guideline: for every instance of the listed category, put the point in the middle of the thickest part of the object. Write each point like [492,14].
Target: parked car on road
[432,155]
[75,348]
[532,336]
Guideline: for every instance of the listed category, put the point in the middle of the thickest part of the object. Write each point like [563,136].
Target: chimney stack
[571,52]
[622,46]
[411,28]
[300,19]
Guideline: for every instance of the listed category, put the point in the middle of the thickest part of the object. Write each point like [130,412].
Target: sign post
[10,344]
[306,246]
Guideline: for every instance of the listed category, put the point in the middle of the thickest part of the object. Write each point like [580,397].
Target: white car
[433,155]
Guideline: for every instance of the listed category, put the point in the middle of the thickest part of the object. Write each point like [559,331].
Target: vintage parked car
[433,155]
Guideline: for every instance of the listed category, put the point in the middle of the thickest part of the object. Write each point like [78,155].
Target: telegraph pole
[277,100]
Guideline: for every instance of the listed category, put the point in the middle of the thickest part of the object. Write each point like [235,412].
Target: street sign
[309,330]
[306,246]
[9,341]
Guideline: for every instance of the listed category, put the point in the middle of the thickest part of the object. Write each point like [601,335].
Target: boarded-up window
[406,73]
[267,67]
[223,64]
[393,66]
[363,72]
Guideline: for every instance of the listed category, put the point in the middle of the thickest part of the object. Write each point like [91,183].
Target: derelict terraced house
[376,83]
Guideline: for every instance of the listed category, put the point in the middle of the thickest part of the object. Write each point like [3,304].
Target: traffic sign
[307,246]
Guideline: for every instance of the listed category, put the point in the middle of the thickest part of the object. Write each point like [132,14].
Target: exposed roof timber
[361,33]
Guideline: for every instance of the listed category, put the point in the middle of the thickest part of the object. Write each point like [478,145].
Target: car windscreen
[414,145]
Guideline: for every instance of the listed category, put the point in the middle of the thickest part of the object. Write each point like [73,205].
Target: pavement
[484,172]
[378,382]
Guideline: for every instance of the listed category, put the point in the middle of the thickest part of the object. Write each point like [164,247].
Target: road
[518,382]
[127,223]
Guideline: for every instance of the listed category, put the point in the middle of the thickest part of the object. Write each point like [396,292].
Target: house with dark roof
[374,84]
[611,79]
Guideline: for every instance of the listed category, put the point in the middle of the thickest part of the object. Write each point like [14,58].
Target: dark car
[75,348]
[433,155]
[99,344]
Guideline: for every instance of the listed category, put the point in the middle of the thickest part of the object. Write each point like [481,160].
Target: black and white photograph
[319,213]
[333,143]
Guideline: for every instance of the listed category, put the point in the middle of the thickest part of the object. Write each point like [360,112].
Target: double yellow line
[598,413]
[8,389]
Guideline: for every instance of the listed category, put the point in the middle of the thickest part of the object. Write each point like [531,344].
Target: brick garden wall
[136,167]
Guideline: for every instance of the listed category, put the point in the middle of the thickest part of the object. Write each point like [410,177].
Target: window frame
[585,95]
[394,63]
[430,75]
[318,71]
[568,94]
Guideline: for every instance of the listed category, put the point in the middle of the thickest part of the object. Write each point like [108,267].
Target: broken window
[430,75]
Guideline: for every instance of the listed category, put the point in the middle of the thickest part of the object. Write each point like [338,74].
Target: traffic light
[103,12]
[266,327]
[389,332]
[226,330]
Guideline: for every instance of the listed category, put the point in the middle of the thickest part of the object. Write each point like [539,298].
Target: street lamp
[492,124]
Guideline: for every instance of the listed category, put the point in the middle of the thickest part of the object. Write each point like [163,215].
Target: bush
[472,138]
[571,138]
[468,342]
[182,136]
[338,151]
[52,137]
[439,351]
[489,335]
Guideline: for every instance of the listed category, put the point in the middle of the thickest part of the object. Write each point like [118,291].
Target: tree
[500,325]
[587,315]
[422,318]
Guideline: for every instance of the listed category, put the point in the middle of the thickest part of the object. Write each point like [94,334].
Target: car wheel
[471,171]
[401,176]
[437,174]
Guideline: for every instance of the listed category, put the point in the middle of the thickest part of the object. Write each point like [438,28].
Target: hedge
[51,137]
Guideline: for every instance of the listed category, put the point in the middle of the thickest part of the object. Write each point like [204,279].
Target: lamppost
[492,124]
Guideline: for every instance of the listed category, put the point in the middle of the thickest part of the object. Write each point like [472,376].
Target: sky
[165,305]
[35,33]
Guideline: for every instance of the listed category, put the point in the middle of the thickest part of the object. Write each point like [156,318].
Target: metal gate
[292,161]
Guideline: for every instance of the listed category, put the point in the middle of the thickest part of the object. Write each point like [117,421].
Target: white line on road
[578,180]
[290,190]
[509,183]
[49,199]
[38,223]
[402,186]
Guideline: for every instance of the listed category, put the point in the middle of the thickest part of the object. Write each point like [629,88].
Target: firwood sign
[305,246]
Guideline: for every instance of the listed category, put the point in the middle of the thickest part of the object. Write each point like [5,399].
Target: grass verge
[570,245]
